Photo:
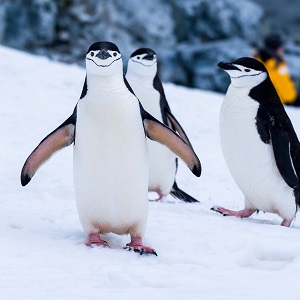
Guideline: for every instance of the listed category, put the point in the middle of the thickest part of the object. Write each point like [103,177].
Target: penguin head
[142,62]
[103,59]
[245,72]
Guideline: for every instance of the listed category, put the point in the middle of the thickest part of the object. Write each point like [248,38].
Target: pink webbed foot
[137,246]
[244,213]
[286,223]
[94,239]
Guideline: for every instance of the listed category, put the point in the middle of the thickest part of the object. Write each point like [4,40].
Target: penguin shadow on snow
[259,256]
[257,218]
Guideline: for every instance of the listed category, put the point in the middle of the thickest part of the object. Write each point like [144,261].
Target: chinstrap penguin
[259,142]
[108,128]
[143,77]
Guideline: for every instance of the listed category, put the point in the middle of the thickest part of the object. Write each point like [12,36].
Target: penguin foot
[155,192]
[137,246]
[94,239]
[286,223]
[160,197]
[244,213]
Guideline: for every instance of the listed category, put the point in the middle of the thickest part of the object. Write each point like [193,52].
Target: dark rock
[197,64]
[29,25]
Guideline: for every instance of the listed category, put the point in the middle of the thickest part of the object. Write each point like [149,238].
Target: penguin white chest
[111,164]
[251,161]
[162,160]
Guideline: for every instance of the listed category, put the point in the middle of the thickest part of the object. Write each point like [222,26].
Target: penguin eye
[247,70]
[138,57]
[115,54]
[92,53]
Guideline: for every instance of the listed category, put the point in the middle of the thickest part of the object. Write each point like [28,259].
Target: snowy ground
[201,255]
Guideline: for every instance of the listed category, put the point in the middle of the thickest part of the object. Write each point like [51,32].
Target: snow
[201,255]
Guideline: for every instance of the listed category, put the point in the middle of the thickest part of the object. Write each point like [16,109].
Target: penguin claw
[136,245]
[141,250]
[218,210]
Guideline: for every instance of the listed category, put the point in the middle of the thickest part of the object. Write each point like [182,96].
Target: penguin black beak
[103,54]
[227,66]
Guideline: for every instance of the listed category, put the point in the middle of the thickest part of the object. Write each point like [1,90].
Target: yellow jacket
[281,79]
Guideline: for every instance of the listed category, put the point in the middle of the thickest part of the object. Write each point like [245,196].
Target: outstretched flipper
[177,127]
[176,192]
[61,137]
[157,131]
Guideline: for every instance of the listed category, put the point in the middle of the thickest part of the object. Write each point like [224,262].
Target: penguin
[259,142]
[108,129]
[143,77]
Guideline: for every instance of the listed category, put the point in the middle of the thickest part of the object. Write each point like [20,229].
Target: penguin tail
[297,196]
[176,192]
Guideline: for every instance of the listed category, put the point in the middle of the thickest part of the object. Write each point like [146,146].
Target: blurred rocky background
[190,36]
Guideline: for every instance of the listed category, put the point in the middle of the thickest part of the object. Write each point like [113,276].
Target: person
[272,56]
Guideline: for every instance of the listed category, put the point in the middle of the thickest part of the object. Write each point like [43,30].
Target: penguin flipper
[61,137]
[159,132]
[281,148]
[178,127]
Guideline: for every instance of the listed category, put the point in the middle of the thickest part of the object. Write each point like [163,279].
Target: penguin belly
[162,168]
[251,161]
[111,167]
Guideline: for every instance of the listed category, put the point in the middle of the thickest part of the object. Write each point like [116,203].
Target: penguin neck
[238,92]
[134,78]
[110,82]
[239,100]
